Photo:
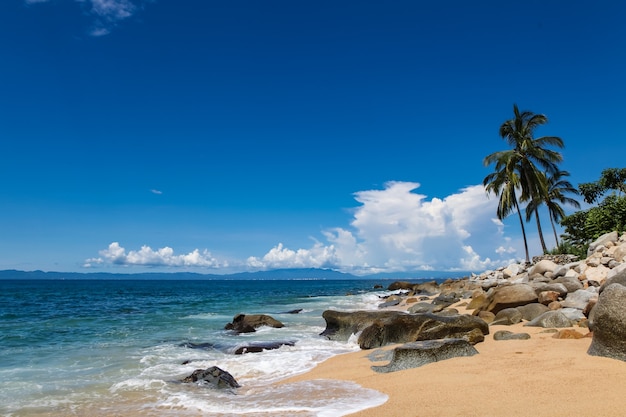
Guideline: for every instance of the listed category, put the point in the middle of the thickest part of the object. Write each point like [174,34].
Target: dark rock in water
[507,335]
[379,328]
[248,323]
[607,321]
[416,354]
[296,311]
[261,346]
[192,345]
[213,376]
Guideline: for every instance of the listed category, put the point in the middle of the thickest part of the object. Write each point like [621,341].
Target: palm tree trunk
[521,222]
[541,239]
[556,239]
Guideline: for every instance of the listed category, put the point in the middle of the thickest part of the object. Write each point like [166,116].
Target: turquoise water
[119,347]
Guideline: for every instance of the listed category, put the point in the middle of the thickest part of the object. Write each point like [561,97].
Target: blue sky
[216,137]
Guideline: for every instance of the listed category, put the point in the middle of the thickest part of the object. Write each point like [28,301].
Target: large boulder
[379,328]
[511,296]
[416,354]
[550,319]
[248,323]
[607,321]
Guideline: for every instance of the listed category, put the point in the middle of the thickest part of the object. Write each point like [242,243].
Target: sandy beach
[541,376]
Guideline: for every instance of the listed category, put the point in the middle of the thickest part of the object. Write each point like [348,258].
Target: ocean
[121,347]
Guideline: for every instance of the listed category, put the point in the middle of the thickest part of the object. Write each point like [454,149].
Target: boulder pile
[551,292]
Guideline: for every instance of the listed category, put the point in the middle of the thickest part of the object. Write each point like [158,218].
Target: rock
[391,301]
[560,289]
[416,327]
[568,334]
[571,283]
[422,307]
[428,288]
[616,276]
[487,316]
[378,328]
[532,311]
[416,354]
[296,311]
[213,376]
[602,241]
[507,335]
[578,299]
[550,319]
[260,347]
[511,296]
[546,297]
[597,275]
[400,285]
[542,267]
[607,321]
[446,299]
[507,317]
[248,323]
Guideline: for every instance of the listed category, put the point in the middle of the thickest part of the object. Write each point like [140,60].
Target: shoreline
[541,376]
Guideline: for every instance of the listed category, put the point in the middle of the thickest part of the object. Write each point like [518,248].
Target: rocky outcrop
[552,292]
[212,376]
[248,323]
[607,321]
[386,327]
[416,354]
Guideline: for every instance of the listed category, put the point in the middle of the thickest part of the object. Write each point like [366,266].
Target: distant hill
[276,274]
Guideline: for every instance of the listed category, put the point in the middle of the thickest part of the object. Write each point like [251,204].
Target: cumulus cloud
[157,192]
[106,13]
[396,229]
[146,256]
[319,256]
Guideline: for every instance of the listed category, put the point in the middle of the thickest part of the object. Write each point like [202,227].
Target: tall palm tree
[557,188]
[503,182]
[524,161]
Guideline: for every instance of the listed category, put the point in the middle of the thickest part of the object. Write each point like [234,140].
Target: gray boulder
[507,317]
[550,319]
[532,311]
[607,321]
[213,376]
[416,354]
[507,335]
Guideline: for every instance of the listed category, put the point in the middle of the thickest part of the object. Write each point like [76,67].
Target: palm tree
[523,161]
[557,188]
[503,182]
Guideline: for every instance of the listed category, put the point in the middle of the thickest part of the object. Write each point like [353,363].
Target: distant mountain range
[302,273]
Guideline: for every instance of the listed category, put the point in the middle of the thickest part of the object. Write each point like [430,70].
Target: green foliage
[610,179]
[609,215]
[567,248]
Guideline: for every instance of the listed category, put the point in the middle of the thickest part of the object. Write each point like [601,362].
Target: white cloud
[396,229]
[157,192]
[319,256]
[107,13]
[146,256]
